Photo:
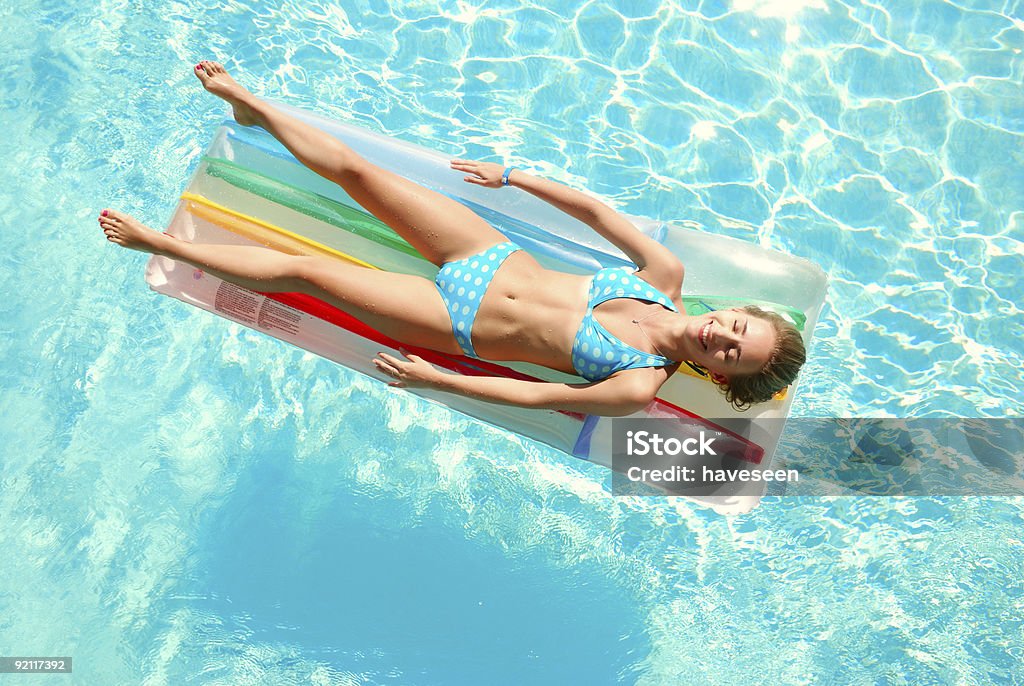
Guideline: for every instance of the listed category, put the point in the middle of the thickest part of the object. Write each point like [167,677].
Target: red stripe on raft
[466,365]
[754,453]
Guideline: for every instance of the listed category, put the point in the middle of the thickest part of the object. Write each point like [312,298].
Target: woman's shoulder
[670,288]
[666,280]
[647,380]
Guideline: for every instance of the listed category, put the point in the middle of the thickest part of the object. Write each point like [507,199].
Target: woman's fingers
[467,166]
[387,369]
[387,364]
[390,366]
[413,372]
[474,172]
[394,365]
[409,356]
[487,174]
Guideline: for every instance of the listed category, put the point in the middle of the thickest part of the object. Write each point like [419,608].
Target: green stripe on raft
[701,304]
[310,204]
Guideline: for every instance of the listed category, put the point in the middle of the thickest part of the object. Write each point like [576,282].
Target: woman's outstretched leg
[405,307]
[440,228]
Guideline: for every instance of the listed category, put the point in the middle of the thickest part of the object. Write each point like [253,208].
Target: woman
[626,333]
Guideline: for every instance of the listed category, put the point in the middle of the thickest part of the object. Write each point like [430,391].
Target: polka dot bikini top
[597,354]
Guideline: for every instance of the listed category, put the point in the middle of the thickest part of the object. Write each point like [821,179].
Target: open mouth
[705,330]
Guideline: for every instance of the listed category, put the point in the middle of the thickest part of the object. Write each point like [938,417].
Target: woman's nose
[726,337]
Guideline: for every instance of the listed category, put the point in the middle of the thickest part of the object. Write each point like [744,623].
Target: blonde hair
[786,358]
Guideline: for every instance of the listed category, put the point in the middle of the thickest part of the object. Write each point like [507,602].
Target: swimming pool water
[186,501]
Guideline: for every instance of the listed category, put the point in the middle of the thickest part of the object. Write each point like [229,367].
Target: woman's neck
[668,333]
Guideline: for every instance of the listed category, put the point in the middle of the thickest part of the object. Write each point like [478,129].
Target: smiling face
[730,342]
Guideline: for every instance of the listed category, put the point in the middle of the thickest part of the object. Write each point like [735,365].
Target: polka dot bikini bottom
[462,285]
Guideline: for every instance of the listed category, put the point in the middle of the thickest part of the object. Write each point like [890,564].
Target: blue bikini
[596,353]
[462,285]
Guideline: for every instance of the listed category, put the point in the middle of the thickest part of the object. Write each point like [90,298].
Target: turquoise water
[187,501]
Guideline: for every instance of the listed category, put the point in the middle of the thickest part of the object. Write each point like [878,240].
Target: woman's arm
[615,396]
[649,255]
[611,397]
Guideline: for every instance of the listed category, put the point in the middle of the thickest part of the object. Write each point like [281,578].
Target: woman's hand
[486,174]
[412,372]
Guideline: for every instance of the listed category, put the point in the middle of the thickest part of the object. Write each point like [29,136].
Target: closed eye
[739,350]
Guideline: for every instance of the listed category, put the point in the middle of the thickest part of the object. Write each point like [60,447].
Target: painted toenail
[104,213]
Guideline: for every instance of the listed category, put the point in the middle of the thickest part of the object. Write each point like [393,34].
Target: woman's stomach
[530,314]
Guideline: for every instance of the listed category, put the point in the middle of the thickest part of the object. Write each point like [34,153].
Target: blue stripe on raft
[538,241]
[582,447]
[264,142]
[660,234]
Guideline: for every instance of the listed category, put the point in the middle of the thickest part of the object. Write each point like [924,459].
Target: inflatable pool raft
[248,189]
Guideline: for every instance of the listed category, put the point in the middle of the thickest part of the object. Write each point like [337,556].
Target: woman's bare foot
[217,80]
[129,232]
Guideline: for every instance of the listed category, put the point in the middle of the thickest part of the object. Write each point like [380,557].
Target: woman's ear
[719,378]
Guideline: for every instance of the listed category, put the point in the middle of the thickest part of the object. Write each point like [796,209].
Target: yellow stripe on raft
[701,373]
[262,232]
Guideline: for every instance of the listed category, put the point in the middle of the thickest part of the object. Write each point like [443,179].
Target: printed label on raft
[237,302]
[274,316]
